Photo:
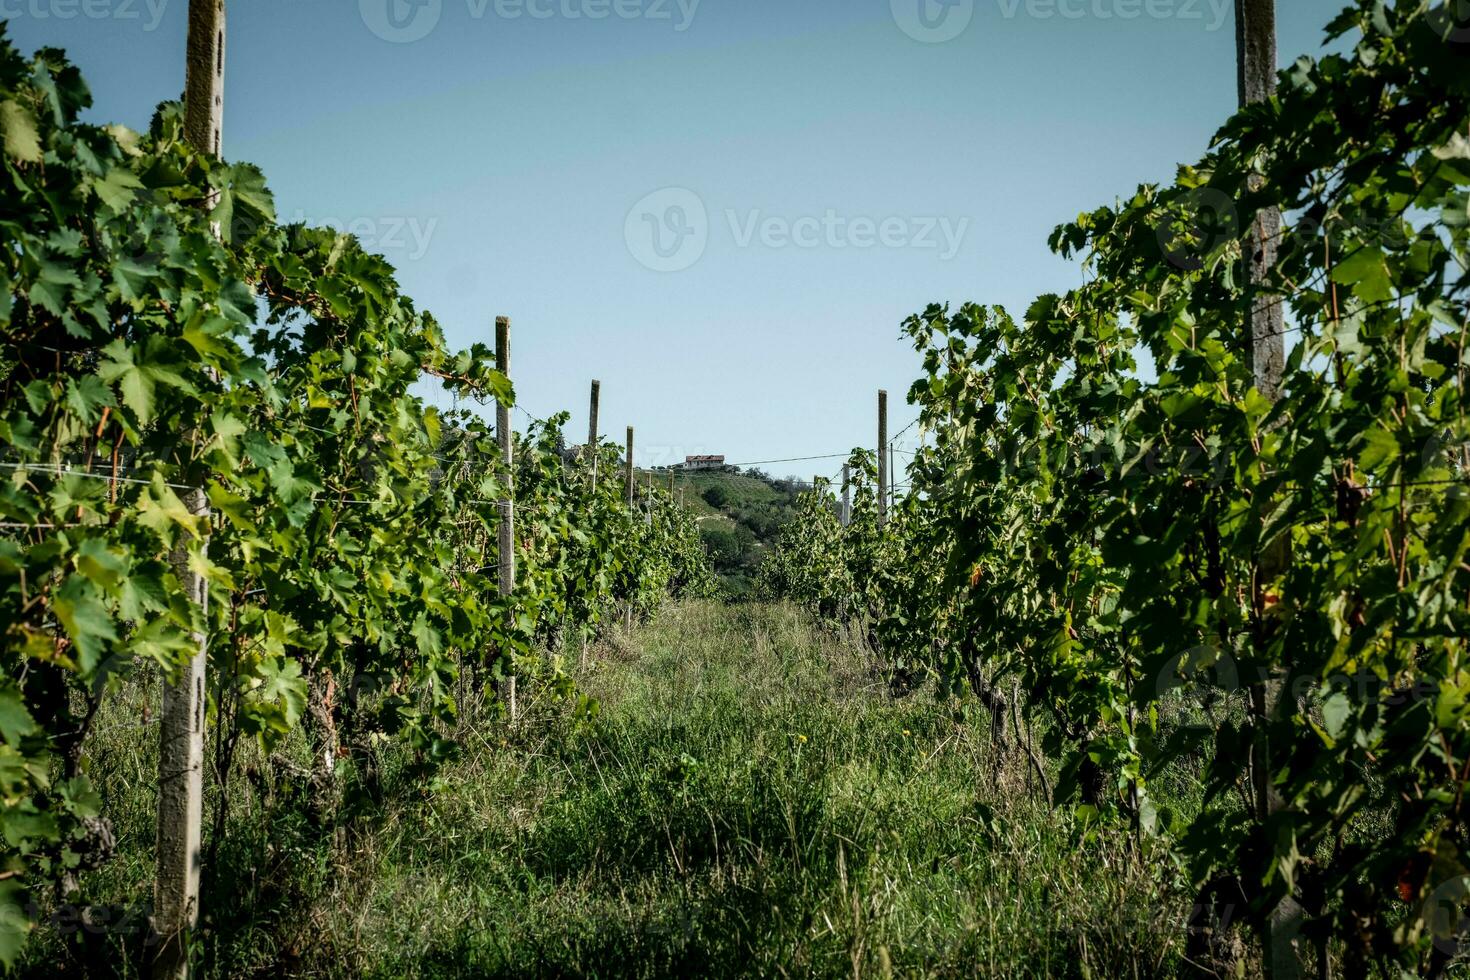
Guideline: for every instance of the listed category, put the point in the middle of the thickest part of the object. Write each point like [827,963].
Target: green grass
[750,801]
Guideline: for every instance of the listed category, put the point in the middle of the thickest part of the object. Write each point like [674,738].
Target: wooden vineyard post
[628,470]
[1255,40]
[882,458]
[592,430]
[892,477]
[629,490]
[593,453]
[593,449]
[506,550]
[178,855]
[845,515]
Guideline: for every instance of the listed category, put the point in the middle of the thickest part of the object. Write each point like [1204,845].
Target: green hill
[740,515]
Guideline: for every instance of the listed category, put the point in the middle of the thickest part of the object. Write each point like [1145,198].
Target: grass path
[749,801]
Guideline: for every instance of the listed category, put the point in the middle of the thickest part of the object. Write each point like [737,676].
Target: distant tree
[717,496]
[762,526]
[723,547]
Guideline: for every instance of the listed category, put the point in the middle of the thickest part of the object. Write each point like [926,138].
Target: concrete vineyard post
[882,458]
[846,512]
[178,854]
[506,550]
[181,782]
[592,450]
[592,430]
[892,477]
[628,491]
[507,463]
[204,80]
[628,470]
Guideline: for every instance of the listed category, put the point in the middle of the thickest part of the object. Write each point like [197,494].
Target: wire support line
[534,418]
[51,470]
[895,438]
[795,459]
[11,526]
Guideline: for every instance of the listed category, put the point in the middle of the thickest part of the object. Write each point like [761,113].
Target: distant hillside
[740,515]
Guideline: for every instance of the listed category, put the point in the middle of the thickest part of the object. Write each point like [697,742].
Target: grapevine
[165,342]
[1183,575]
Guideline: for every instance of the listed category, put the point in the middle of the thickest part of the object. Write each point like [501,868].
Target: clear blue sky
[499,161]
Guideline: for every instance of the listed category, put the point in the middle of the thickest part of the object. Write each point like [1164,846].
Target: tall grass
[750,800]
